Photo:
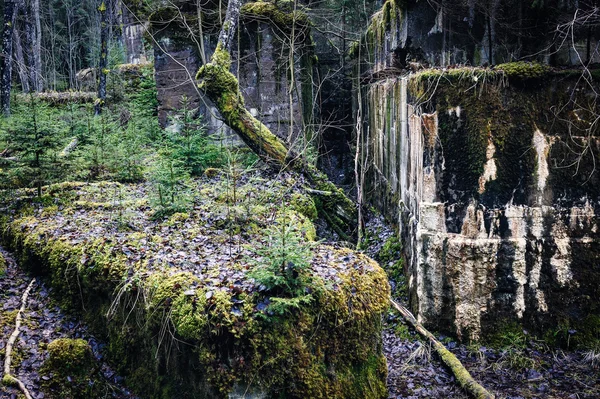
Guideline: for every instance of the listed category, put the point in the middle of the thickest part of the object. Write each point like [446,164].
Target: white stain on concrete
[489,169]
[542,147]
[455,110]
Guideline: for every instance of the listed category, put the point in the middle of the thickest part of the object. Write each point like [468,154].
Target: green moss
[488,112]
[386,20]
[9,380]
[573,333]
[70,367]
[507,334]
[524,70]
[326,348]
[176,218]
[222,87]
[287,22]
[391,249]
[3,265]
[302,224]
[332,204]
[69,357]
[462,375]
[391,259]
[304,204]
[8,318]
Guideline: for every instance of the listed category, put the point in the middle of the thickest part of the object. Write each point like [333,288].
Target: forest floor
[43,322]
[530,370]
[415,372]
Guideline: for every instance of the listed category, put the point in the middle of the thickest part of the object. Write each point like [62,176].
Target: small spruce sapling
[170,185]
[128,151]
[190,142]
[283,265]
[187,138]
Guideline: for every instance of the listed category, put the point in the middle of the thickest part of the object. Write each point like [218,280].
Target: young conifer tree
[34,139]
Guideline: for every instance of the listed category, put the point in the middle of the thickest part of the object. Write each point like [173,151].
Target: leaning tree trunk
[222,88]
[103,67]
[20,61]
[7,45]
[464,378]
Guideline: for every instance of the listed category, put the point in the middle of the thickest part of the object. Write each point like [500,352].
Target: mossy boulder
[70,370]
[182,316]
[69,357]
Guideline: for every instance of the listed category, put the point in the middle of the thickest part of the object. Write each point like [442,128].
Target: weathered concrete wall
[494,186]
[260,60]
[133,38]
[479,33]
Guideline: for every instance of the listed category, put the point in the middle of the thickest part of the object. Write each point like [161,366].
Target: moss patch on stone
[70,370]
[524,70]
[69,357]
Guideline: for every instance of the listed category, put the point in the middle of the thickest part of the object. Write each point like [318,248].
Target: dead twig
[8,377]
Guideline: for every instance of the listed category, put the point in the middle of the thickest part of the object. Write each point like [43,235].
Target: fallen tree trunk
[222,88]
[464,378]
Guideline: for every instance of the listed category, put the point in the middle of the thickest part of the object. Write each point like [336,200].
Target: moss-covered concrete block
[182,316]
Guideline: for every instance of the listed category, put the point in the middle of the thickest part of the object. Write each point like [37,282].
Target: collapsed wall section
[187,305]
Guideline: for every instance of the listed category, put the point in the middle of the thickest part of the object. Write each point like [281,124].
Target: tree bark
[7,47]
[103,66]
[20,61]
[38,83]
[29,49]
[222,88]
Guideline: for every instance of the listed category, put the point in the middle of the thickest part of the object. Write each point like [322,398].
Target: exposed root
[466,381]
[8,378]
